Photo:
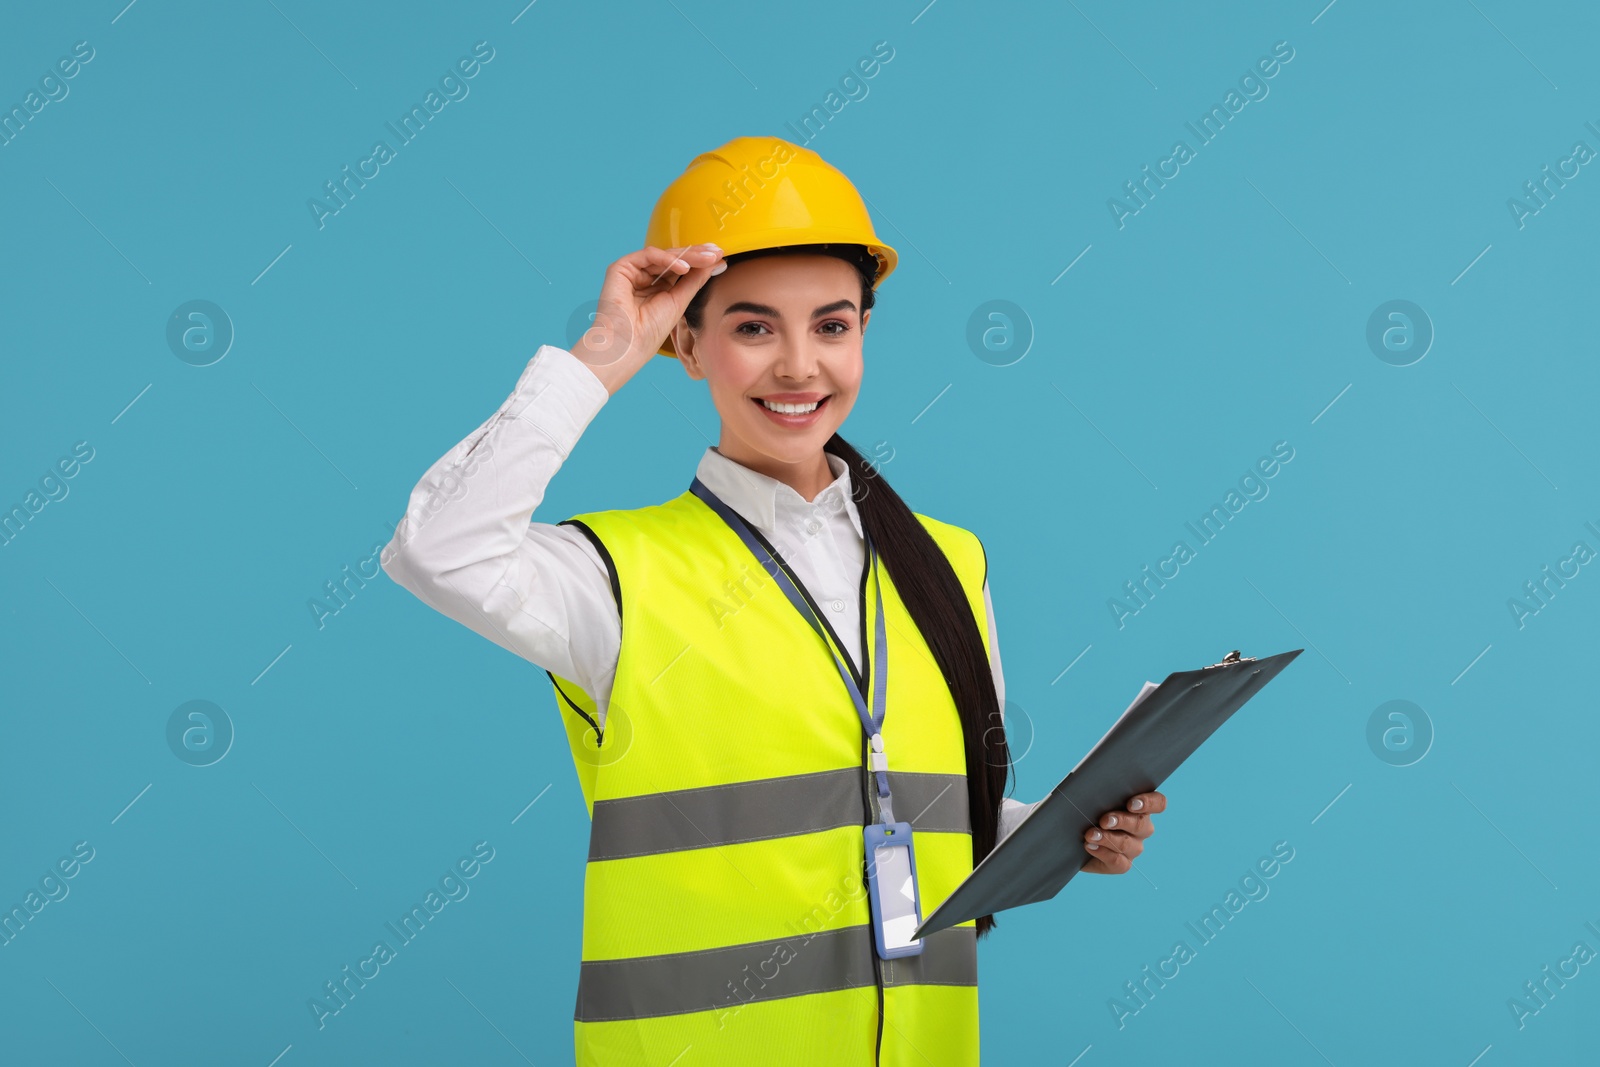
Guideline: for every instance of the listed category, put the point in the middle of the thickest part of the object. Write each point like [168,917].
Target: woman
[738,735]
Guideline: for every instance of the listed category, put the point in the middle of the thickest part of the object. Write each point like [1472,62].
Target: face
[784,329]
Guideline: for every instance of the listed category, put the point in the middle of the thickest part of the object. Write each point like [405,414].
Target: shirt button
[813,525]
[838,605]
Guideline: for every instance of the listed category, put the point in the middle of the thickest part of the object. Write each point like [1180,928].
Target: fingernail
[1135,805]
[711,247]
[718,269]
[1094,846]
[1112,821]
[1095,836]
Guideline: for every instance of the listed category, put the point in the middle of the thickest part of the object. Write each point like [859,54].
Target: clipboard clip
[1231,657]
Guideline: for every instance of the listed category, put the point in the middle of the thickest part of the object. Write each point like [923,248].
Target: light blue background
[1227,315]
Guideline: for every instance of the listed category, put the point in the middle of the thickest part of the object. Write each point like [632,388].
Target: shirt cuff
[583,393]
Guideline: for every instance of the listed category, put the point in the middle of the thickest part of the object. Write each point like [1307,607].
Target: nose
[796,359]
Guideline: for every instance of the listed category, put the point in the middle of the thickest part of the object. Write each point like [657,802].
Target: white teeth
[791,409]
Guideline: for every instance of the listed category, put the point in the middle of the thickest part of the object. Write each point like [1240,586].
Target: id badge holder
[892,881]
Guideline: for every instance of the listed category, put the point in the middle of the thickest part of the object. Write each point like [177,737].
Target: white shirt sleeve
[1012,811]
[467,548]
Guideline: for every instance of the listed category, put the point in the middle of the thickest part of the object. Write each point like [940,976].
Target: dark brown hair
[928,586]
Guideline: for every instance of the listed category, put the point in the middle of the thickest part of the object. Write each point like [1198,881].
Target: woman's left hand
[1120,834]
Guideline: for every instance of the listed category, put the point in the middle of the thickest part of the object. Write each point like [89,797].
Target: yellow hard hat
[763,192]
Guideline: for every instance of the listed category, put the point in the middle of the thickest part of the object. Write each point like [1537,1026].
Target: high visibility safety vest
[726,916]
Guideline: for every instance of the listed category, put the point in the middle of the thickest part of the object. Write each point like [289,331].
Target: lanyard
[871,722]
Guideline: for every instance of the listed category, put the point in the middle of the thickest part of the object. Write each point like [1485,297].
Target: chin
[793,447]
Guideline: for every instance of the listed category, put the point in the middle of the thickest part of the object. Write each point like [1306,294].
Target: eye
[740,329]
[844,327]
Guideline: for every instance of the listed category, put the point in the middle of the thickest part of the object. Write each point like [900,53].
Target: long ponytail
[933,596]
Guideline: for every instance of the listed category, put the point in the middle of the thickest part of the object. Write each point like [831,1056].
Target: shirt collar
[762,500]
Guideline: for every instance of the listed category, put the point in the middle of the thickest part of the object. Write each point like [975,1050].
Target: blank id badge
[892,881]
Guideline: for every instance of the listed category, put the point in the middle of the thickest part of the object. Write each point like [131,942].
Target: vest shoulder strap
[962,548]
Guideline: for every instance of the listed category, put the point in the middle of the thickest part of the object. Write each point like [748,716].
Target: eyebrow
[772,312]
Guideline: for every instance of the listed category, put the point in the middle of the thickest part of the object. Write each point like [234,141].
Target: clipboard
[1157,732]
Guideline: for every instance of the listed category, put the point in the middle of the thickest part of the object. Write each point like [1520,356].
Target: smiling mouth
[782,408]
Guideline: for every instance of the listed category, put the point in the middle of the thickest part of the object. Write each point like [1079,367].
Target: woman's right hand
[641,300]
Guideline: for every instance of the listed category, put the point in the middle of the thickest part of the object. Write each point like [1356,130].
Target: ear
[866,317]
[683,343]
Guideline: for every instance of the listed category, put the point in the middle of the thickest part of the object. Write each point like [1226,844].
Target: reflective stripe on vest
[771,807]
[725,910]
[830,959]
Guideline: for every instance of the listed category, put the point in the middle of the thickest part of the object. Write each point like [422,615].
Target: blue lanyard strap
[871,722]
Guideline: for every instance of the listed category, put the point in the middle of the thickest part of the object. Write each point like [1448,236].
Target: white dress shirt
[467,548]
